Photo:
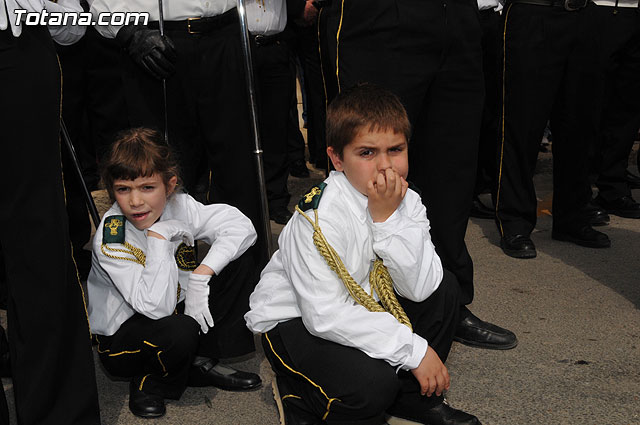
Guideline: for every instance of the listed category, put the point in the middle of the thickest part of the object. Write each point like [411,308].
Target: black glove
[147,48]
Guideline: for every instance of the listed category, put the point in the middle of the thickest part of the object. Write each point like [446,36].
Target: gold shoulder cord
[379,278]
[137,253]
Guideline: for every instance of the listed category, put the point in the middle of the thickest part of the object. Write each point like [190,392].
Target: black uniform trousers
[429,54]
[620,29]
[275,86]
[306,49]
[486,177]
[550,72]
[208,116]
[50,344]
[343,385]
[156,354]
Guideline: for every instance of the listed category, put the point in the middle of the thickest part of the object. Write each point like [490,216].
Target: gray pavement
[575,311]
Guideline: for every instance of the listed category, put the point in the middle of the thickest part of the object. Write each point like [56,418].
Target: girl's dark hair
[137,152]
[364,106]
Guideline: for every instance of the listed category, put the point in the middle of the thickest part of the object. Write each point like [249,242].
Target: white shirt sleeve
[404,244]
[327,309]
[229,232]
[151,289]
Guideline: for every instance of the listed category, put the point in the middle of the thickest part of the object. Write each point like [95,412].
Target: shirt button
[206,3]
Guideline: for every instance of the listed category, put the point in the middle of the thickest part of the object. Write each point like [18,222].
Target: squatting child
[356,312]
[159,318]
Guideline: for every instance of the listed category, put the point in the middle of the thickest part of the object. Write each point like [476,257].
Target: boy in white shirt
[144,275]
[343,352]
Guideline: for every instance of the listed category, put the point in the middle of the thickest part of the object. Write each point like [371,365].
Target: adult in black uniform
[428,53]
[550,73]
[50,344]
[620,26]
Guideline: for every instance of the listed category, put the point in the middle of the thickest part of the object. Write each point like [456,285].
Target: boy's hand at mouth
[385,193]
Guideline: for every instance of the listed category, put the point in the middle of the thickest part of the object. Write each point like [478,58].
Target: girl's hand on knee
[432,374]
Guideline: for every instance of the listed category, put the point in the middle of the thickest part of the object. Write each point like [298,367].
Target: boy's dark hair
[367,106]
[137,152]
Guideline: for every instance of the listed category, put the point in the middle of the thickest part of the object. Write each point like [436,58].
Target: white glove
[196,303]
[173,230]
[8,17]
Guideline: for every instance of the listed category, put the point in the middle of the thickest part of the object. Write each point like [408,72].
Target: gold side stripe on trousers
[324,83]
[329,399]
[64,191]
[292,396]
[142,382]
[338,46]
[504,77]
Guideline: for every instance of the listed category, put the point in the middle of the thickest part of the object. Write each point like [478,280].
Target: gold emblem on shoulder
[113,226]
[309,196]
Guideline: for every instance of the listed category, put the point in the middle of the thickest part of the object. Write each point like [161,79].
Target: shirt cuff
[420,346]
[386,228]
[216,261]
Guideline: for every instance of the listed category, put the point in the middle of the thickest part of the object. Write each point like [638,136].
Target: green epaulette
[113,231]
[312,198]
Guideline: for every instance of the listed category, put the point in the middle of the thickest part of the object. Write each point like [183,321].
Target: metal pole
[164,80]
[91,205]
[248,67]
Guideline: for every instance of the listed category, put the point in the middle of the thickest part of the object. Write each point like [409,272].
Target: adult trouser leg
[49,339]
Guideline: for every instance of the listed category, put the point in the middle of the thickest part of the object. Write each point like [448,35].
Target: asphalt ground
[575,311]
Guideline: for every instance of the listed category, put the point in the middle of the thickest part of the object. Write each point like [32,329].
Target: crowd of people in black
[480,82]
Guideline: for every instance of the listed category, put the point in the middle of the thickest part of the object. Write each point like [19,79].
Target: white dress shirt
[266,17]
[297,282]
[118,288]
[176,10]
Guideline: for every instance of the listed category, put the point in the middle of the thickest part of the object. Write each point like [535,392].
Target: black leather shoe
[443,414]
[623,207]
[632,180]
[143,404]
[595,215]
[280,215]
[298,168]
[206,372]
[584,235]
[518,246]
[477,333]
[480,210]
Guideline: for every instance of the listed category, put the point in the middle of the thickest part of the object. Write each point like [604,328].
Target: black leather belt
[265,40]
[200,25]
[569,5]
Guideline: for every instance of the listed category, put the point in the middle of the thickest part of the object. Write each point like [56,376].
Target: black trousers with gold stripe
[49,341]
[428,52]
[342,385]
[156,354]
[550,73]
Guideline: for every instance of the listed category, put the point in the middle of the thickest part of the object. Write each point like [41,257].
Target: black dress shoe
[623,207]
[443,414]
[632,180]
[477,333]
[595,215]
[298,168]
[206,372]
[584,235]
[280,215]
[480,210]
[143,404]
[518,246]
